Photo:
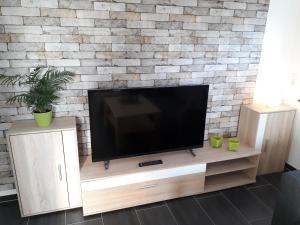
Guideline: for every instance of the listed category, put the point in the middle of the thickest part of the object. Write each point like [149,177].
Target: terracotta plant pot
[43,119]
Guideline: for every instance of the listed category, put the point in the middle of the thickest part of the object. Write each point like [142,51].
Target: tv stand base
[106,165]
[192,153]
[127,185]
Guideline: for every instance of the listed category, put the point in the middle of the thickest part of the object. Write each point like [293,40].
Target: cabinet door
[276,141]
[40,172]
[72,167]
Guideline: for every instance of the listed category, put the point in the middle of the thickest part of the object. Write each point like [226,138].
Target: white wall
[279,71]
[280,60]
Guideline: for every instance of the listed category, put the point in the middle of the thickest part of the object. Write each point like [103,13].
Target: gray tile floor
[248,205]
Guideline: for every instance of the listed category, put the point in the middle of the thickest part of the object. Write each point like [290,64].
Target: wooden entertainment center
[126,184]
[45,161]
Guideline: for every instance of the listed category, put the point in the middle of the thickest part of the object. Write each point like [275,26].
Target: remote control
[150,163]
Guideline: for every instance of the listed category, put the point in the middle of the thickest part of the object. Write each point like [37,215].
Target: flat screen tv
[131,122]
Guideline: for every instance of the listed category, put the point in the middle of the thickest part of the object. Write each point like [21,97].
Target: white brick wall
[109,6]
[221,12]
[20,11]
[133,43]
[169,9]
[63,62]
[71,22]
[235,5]
[23,29]
[61,47]
[66,13]
[155,16]
[40,3]
[92,14]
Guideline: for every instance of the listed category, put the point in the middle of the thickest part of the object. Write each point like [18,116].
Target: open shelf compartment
[231,165]
[228,180]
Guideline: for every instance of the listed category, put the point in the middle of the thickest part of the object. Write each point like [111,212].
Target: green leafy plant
[43,83]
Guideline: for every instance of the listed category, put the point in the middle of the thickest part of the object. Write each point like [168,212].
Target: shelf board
[229,166]
[29,126]
[119,167]
[228,180]
[261,108]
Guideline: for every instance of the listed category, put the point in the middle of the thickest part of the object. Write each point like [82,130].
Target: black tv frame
[107,159]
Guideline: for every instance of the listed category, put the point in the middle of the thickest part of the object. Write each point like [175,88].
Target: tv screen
[131,122]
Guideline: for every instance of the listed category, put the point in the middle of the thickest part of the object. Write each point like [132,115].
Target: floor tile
[268,194]
[91,222]
[274,179]
[267,221]
[188,212]
[10,214]
[156,216]
[151,205]
[8,198]
[209,194]
[76,215]
[57,218]
[221,211]
[251,207]
[121,217]
[260,180]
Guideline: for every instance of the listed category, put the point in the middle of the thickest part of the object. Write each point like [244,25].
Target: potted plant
[43,83]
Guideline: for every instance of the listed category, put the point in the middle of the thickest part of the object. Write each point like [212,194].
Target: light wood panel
[261,108]
[252,173]
[126,179]
[93,171]
[248,126]
[38,161]
[97,199]
[268,130]
[142,193]
[276,142]
[230,166]
[45,165]
[227,180]
[72,167]
[29,126]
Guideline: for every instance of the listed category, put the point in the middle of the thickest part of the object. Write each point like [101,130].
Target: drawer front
[142,193]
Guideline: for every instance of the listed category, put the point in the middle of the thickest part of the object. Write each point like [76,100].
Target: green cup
[233,144]
[216,141]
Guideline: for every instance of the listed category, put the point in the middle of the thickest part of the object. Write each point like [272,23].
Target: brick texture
[132,43]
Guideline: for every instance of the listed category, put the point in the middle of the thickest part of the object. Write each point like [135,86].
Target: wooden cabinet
[45,165]
[40,171]
[126,184]
[113,198]
[267,129]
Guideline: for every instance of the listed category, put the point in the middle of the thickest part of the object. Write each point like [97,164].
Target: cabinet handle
[149,186]
[59,172]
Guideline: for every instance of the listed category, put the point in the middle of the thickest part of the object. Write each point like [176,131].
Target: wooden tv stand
[126,184]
